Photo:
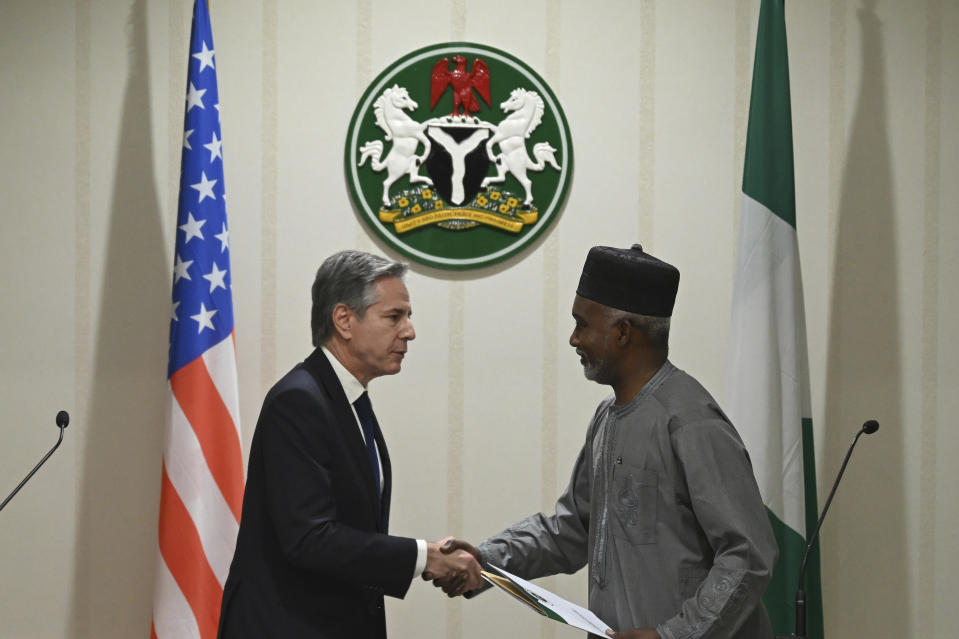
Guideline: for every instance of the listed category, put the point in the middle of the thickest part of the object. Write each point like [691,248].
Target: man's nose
[408,333]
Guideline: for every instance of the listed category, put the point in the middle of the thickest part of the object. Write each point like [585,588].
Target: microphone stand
[868,428]
[62,420]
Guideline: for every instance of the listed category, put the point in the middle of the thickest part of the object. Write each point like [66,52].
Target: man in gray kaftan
[662,504]
[663,508]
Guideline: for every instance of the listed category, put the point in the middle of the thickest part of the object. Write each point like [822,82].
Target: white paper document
[546,603]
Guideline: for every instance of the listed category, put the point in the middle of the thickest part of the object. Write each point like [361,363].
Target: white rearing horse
[405,132]
[525,110]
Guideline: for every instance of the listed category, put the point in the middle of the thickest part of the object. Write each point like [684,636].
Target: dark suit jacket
[313,557]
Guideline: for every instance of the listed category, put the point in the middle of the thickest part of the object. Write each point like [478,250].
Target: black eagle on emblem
[463,83]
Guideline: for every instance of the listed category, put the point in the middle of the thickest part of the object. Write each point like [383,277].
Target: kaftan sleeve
[547,544]
[729,508]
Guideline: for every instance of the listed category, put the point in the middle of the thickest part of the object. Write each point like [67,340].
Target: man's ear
[343,321]
[623,332]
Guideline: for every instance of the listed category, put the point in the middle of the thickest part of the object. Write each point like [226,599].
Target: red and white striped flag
[202,487]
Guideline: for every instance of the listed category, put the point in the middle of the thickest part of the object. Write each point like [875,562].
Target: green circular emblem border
[363,109]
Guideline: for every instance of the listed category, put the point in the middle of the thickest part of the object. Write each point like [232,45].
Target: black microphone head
[63,418]
[870,427]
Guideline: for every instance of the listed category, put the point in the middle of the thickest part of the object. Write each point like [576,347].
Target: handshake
[453,565]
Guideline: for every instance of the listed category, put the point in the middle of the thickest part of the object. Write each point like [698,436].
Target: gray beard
[592,370]
[597,371]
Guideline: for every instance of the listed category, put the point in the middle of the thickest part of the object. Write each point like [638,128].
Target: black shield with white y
[458,159]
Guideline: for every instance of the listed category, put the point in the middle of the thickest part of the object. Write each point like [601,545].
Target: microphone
[62,419]
[869,427]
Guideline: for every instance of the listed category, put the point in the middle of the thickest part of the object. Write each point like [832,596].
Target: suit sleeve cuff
[420,558]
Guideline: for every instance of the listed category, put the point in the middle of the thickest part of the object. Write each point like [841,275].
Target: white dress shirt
[352,388]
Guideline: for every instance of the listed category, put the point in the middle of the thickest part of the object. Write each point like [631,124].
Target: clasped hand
[453,565]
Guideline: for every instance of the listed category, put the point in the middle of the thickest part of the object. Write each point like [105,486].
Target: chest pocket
[633,504]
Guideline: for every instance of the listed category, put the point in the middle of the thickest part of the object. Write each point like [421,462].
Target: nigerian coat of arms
[458,155]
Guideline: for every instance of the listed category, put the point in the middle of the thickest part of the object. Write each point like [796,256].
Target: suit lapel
[349,429]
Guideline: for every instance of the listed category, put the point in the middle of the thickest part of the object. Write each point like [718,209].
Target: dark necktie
[364,410]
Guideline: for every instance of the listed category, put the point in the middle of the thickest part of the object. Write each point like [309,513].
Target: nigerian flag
[768,368]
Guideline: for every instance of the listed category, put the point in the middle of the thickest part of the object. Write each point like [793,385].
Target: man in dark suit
[313,556]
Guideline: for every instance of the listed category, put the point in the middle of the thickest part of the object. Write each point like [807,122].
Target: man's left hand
[635,633]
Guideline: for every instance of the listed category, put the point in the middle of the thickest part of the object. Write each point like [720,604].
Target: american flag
[202,485]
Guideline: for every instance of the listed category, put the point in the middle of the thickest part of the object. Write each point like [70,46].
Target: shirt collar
[352,387]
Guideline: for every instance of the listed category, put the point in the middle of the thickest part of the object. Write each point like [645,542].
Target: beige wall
[490,410]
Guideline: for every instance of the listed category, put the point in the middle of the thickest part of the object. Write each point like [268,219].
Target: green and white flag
[768,367]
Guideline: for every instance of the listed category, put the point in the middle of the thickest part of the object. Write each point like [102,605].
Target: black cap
[629,280]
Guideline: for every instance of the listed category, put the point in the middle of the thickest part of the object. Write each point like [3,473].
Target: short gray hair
[348,278]
[656,329]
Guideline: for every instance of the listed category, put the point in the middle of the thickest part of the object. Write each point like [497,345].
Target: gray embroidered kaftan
[664,508]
